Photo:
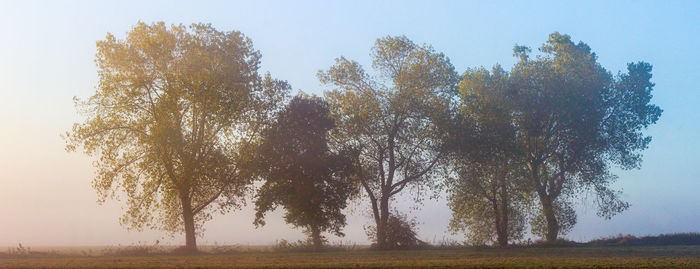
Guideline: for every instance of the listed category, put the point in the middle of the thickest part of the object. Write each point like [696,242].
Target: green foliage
[174,111]
[487,208]
[301,173]
[629,111]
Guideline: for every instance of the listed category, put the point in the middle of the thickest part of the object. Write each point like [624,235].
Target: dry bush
[400,234]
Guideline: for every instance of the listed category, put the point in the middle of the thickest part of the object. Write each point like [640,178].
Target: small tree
[391,119]
[175,112]
[301,173]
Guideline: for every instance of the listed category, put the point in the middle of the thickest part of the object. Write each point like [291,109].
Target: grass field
[572,257]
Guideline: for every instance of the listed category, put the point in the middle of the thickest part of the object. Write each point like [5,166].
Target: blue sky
[47,56]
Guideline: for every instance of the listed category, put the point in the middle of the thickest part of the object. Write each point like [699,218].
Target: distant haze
[47,53]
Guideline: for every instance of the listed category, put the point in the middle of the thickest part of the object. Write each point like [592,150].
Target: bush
[308,246]
[224,250]
[22,251]
[298,246]
[560,242]
[401,233]
[136,250]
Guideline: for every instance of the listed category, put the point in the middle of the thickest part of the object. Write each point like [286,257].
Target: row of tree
[183,125]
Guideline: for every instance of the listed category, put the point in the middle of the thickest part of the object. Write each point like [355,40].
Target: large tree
[574,120]
[391,118]
[302,173]
[174,111]
[488,194]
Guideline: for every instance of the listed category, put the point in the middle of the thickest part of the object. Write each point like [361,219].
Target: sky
[47,52]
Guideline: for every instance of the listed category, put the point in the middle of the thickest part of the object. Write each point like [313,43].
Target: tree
[489,193]
[574,119]
[175,111]
[301,173]
[391,118]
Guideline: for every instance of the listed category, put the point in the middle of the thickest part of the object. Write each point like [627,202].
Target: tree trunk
[502,212]
[551,217]
[501,235]
[316,238]
[547,205]
[382,244]
[188,217]
[502,238]
[503,232]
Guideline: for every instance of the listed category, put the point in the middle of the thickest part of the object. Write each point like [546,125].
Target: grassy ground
[578,257]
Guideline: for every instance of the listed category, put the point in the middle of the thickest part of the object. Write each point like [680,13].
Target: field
[569,257]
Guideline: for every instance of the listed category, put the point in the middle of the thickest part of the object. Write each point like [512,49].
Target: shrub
[401,233]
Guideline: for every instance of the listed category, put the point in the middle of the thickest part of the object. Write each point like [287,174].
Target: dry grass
[572,257]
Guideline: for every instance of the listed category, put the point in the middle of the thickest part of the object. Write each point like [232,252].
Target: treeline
[648,240]
[183,125]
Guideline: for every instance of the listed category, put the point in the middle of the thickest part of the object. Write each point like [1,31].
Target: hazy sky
[47,54]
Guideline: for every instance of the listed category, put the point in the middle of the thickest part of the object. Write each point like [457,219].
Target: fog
[47,53]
